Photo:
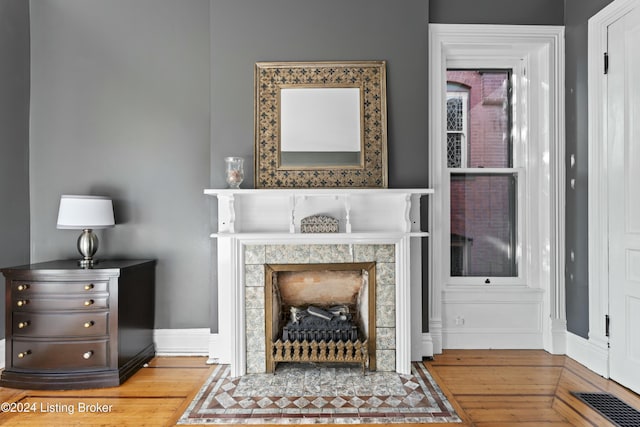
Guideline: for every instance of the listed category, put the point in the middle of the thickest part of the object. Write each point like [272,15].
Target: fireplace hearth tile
[255,341]
[326,254]
[298,379]
[287,254]
[385,295]
[254,297]
[254,254]
[255,319]
[386,360]
[255,362]
[385,273]
[364,253]
[385,338]
[380,398]
[385,253]
[386,316]
[254,275]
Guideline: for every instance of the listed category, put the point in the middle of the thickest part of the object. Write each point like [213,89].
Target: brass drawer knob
[88,287]
[23,287]
[89,324]
[22,302]
[88,302]
[87,355]
[23,354]
[24,324]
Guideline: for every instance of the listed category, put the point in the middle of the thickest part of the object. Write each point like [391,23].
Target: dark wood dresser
[71,328]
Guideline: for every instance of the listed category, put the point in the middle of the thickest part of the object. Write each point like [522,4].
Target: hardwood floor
[499,388]
[488,388]
[155,396]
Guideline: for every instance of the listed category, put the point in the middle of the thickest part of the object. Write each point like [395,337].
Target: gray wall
[513,12]
[246,31]
[14,137]
[120,107]
[577,14]
[574,14]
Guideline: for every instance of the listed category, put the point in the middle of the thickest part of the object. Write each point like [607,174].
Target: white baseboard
[555,341]
[589,354]
[490,339]
[215,355]
[423,348]
[182,342]
[435,332]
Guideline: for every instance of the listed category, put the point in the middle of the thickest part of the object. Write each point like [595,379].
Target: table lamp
[86,213]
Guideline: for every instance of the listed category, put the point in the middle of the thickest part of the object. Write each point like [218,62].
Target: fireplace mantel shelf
[321,236]
[316,191]
[279,211]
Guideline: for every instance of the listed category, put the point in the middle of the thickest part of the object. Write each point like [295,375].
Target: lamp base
[87,263]
[87,246]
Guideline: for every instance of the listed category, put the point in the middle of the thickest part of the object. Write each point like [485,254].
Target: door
[623,117]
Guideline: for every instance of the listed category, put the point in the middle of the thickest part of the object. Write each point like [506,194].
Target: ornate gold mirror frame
[366,166]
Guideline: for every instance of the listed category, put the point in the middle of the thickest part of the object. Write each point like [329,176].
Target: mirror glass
[320,126]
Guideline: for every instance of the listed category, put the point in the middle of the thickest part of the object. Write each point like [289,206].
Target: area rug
[311,394]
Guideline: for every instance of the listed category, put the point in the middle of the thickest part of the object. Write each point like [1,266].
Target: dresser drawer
[26,287]
[45,303]
[60,355]
[87,324]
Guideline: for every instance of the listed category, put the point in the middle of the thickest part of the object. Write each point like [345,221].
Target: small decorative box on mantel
[319,224]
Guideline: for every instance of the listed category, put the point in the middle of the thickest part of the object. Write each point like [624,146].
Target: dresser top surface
[103,266]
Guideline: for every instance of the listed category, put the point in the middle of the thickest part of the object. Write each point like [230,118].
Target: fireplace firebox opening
[320,313]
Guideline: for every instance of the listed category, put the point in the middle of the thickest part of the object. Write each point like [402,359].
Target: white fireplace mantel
[272,217]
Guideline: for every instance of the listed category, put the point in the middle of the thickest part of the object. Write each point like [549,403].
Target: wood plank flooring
[155,396]
[488,388]
[499,388]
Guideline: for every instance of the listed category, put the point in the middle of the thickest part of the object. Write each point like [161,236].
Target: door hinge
[606,325]
[606,63]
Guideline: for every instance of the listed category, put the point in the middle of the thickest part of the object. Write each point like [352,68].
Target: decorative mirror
[320,124]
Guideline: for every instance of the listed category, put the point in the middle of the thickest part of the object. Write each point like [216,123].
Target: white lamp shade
[85,212]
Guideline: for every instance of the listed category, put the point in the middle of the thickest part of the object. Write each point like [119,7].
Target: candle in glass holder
[234,171]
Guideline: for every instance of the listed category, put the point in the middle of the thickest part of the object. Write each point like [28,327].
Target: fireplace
[378,261]
[323,313]
[259,228]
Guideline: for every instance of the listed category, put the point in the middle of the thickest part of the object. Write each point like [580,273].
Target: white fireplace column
[254,218]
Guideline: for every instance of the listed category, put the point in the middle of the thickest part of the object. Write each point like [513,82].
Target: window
[483,185]
[512,179]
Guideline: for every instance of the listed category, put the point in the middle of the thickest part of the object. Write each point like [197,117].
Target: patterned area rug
[308,394]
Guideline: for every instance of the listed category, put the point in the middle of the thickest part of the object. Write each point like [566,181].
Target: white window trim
[540,51]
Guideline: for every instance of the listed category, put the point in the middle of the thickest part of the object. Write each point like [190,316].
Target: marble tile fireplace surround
[261,227]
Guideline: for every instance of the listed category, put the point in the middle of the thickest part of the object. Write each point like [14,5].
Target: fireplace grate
[317,324]
[321,352]
[350,334]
